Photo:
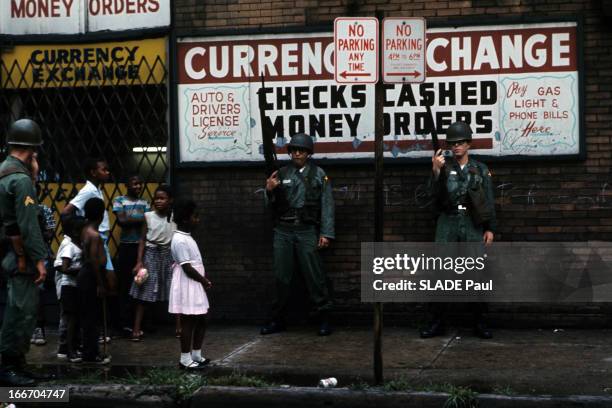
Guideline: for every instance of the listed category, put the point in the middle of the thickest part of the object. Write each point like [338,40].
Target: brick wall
[543,200]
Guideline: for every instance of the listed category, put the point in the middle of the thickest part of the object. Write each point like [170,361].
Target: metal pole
[379,203]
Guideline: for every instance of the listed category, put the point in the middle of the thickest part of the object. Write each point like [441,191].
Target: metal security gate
[106,100]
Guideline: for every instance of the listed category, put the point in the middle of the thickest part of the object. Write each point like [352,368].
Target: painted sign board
[23,17]
[356,50]
[518,86]
[403,50]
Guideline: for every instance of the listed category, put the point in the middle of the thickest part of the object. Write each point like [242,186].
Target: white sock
[196,355]
[186,359]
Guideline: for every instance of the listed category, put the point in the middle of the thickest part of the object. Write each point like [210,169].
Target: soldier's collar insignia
[28,200]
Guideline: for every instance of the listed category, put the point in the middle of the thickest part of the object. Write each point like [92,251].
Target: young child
[187,292]
[90,280]
[130,210]
[67,265]
[154,255]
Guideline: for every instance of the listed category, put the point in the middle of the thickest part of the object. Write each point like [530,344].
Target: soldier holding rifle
[463,195]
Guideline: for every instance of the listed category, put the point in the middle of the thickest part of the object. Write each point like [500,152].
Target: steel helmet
[302,141]
[458,132]
[24,132]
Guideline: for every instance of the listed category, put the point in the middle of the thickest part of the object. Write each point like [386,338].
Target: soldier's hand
[438,162]
[42,272]
[323,242]
[272,182]
[488,237]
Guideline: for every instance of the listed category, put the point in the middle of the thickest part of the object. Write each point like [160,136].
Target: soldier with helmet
[300,195]
[24,262]
[463,195]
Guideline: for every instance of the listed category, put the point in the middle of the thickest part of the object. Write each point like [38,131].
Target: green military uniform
[455,223]
[19,212]
[305,213]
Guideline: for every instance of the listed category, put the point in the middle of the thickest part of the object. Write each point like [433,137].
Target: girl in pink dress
[187,290]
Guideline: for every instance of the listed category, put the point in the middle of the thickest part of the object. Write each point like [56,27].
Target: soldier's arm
[26,210]
[327,209]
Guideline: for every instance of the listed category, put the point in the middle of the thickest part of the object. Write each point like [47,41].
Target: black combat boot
[435,328]
[274,326]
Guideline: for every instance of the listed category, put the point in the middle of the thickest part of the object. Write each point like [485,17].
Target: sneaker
[62,352]
[99,359]
[75,358]
[204,362]
[101,339]
[38,337]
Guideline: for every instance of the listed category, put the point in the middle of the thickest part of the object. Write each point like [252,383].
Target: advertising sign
[516,85]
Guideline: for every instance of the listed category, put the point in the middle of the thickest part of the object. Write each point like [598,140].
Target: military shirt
[19,207]
[458,181]
[293,184]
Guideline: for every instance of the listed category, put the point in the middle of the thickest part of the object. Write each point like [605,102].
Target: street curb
[345,398]
[121,396]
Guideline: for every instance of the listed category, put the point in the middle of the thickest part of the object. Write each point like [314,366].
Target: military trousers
[457,228]
[297,246]
[19,319]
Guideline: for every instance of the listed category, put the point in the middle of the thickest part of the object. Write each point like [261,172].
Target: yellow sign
[140,62]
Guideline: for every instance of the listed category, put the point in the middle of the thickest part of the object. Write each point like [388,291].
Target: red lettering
[94,7]
[119,5]
[68,5]
[130,6]
[532,128]
[153,6]
[142,6]
[106,7]
[17,10]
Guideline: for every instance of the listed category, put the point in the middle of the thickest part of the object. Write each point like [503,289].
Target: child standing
[130,210]
[187,293]
[154,255]
[67,265]
[90,280]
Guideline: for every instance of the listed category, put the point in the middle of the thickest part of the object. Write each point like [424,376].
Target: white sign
[356,50]
[23,17]
[518,87]
[403,50]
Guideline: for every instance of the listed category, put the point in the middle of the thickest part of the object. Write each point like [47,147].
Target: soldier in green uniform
[300,195]
[24,262]
[463,195]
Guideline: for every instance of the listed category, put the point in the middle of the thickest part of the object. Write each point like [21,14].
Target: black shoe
[272,327]
[435,329]
[192,367]
[480,330]
[204,362]
[325,328]
[13,378]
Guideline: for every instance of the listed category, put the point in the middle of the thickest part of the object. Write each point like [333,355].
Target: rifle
[267,135]
[269,151]
[442,194]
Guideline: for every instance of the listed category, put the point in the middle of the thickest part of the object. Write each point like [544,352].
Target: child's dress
[187,296]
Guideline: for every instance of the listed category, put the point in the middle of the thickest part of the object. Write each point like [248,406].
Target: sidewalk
[570,362]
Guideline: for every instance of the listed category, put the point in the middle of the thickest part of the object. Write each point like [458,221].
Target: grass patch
[503,390]
[360,385]
[237,379]
[461,397]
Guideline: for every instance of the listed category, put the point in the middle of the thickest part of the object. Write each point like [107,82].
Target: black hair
[91,164]
[183,210]
[165,188]
[133,176]
[94,209]
[73,226]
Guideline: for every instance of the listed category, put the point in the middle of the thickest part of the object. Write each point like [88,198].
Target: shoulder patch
[28,201]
